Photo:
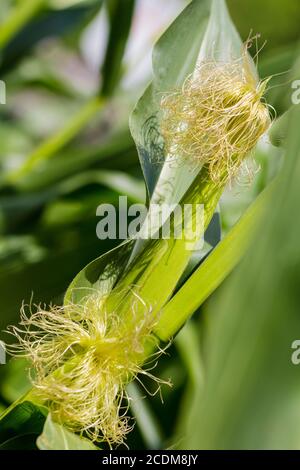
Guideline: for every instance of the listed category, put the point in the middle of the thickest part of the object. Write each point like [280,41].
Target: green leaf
[120,183]
[58,141]
[120,16]
[117,151]
[48,23]
[56,437]
[20,15]
[20,418]
[174,58]
[101,274]
[14,381]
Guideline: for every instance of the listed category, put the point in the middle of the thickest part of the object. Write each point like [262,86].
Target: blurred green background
[73,71]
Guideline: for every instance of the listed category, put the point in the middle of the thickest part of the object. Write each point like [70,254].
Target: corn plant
[199,126]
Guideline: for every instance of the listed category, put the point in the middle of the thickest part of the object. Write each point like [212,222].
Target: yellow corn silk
[83,358]
[216,119]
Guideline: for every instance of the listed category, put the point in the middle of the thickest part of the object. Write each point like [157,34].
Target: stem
[55,143]
[19,16]
[158,268]
[212,272]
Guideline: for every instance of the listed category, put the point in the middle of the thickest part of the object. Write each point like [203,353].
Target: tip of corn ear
[83,358]
[216,119]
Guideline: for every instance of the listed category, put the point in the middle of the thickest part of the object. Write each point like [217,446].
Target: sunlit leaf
[56,437]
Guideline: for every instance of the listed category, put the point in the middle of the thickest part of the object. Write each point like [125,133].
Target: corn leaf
[56,437]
